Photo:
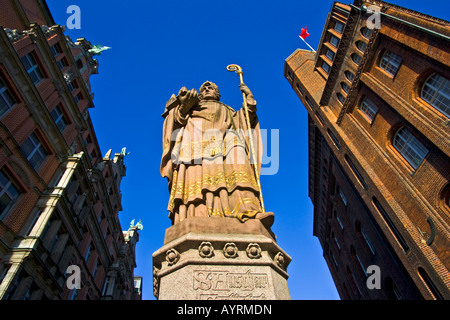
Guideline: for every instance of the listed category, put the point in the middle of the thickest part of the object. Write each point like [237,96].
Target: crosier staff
[238,70]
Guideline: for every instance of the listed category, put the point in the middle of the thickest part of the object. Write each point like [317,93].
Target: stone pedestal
[220,259]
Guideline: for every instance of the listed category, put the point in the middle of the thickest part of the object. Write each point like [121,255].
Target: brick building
[378,103]
[59,198]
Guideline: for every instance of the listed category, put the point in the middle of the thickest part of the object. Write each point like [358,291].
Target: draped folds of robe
[206,161]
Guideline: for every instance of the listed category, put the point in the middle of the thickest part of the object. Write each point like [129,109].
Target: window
[341,98]
[392,289]
[356,58]
[299,88]
[368,242]
[345,87]
[390,62]
[340,222]
[355,171]
[59,118]
[361,45]
[74,294]
[409,147]
[429,283]
[32,68]
[366,32]
[310,104]
[56,50]
[8,193]
[436,91]
[72,85]
[334,138]
[62,63]
[369,109]
[334,260]
[390,224]
[319,117]
[334,41]
[88,253]
[326,67]
[79,64]
[337,243]
[78,97]
[34,151]
[339,26]
[342,195]
[330,54]
[6,99]
[350,76]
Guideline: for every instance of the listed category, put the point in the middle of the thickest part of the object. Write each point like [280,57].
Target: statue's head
[209,91]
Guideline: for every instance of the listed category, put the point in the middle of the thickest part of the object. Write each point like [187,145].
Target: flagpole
[307,44]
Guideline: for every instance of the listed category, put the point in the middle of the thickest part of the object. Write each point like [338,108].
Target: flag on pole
[305,34]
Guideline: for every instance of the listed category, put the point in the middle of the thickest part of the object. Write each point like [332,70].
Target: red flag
[304,33]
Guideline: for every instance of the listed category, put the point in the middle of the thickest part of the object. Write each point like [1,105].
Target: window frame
[327,71]
[34,68]
[59,117]
[332,54]
[364,44]
[345,86]
[387,60]
[368,107]
[5,188]
[353,55]
[38,148]
[410,145]
[346,72]
[7,96]
[342,26]
[337,43]
[366,32]
[339,95]
[438,92]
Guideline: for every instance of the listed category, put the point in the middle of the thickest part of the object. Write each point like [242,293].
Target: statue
[208,159]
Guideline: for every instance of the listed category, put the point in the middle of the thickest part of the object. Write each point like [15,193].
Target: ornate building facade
[378,103]
[59,198]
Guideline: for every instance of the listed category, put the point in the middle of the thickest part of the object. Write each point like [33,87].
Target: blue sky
[160,46]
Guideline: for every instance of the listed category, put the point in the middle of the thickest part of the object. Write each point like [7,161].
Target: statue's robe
[206,161]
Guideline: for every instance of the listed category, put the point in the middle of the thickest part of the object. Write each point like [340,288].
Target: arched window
[356,58]
[341,97]
[361,45]
[366,32]
[409,147]
[345,87]
[390,62]
[350,76]
[368,108]
[436,91]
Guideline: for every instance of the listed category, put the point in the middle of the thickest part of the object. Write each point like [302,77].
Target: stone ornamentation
[172,256]
[206,250]
[230,250]
[279,259]
[253,251]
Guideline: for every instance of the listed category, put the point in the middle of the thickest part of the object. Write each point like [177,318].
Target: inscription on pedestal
[227,285]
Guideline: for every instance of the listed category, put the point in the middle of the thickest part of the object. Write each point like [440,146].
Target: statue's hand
[246,90]
[187,99]
[248,94]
